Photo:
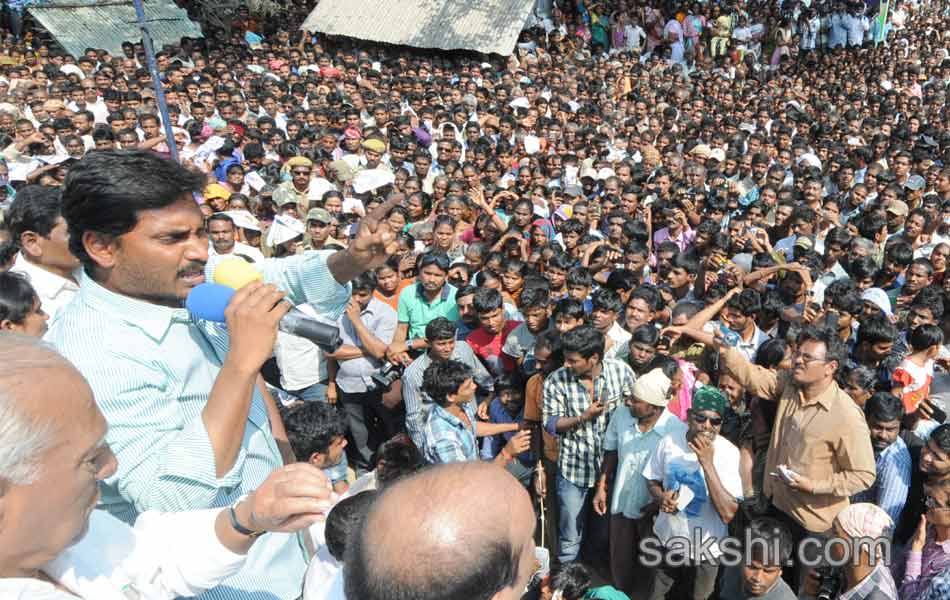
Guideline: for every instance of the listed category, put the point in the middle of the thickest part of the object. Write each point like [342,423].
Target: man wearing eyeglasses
[820,437]
[703,464]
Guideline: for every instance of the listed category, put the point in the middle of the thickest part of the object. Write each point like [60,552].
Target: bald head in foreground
[460,531]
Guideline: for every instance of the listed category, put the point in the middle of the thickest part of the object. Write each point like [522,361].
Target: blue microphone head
[207,301]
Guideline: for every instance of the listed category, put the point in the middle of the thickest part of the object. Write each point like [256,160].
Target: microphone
[207,301]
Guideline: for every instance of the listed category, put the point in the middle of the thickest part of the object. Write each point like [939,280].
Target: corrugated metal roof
[81,24]
[488,26]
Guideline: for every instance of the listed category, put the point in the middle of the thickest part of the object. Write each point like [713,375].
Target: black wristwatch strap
[240,528]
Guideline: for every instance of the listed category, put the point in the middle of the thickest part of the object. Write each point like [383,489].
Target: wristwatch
[240,528]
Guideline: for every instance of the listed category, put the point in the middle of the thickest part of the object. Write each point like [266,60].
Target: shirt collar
[153,319]
[449,417]
[372,307]
[446,288]
[46,283]
[825,398]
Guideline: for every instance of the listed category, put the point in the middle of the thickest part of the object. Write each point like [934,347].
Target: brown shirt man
[825,439]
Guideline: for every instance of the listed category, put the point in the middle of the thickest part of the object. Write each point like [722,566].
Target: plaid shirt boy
[582,448]
[447,439]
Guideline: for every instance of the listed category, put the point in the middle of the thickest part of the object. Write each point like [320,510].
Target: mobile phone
[939,415]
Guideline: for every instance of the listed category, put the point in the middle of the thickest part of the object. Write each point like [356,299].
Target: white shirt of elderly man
[55,544]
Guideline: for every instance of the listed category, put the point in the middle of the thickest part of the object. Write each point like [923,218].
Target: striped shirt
[151,369]
[892,483]
[418,403]
[563,395]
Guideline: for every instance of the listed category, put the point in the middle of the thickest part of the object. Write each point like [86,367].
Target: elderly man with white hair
[55,544]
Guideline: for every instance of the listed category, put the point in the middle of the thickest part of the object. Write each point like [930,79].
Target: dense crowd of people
[679,268]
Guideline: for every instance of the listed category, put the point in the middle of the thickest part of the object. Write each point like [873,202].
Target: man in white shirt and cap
[633,434]
[54,544]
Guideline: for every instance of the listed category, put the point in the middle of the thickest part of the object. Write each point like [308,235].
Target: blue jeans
[315,393]
[574,505]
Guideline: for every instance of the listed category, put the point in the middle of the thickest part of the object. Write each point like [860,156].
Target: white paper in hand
[686,496]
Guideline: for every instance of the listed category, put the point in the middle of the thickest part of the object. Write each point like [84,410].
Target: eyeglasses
[302,173]
[807,359]
[714,421]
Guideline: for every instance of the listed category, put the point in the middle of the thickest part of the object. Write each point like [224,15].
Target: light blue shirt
[151,369]
[634,448]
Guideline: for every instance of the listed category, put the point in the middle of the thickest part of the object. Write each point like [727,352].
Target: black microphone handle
[298,323]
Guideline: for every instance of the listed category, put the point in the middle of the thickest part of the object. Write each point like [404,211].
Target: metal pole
[156,79]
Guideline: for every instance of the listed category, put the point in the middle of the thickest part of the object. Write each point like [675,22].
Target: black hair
[439,329]
[487,300]
[941,437]
[850,302]
[17,297]
[930,298]
[901,253]
[467,290]
[621,280]
[606,299]
[771,353]
[686,261]
[535,297]
[551,340]
[569,307]
[312,427]
[584,340]
[396,458]
[35,208]
[768,534]
[572,226]
[562,261]
[365,281]
[645,334]
[684,307]
[573,580]
[444,378]
[865,378]
[925,263]
[106,191]
[748,302]
[344,521]
[883,407]
[835,349]
[870,225]
[579,276]
[862,267]
[876,329]
[434,257]
[925,336]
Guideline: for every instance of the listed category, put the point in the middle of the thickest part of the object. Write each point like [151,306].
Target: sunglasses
[714,421]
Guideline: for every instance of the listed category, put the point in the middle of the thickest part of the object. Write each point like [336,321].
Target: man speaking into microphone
[186,420]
